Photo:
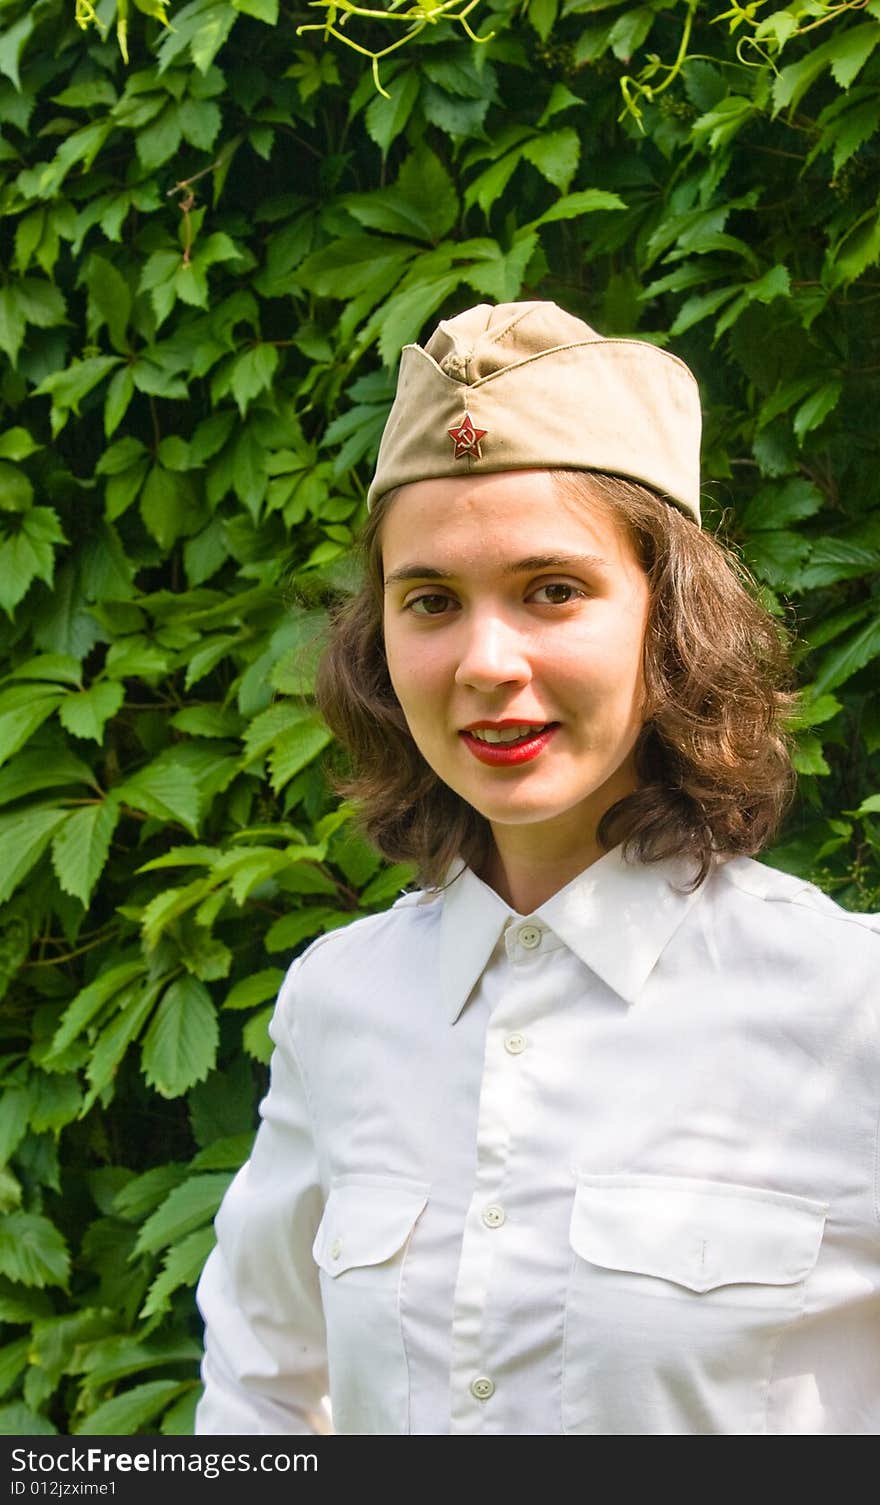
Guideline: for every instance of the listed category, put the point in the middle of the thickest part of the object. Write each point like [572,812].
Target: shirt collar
[617,917]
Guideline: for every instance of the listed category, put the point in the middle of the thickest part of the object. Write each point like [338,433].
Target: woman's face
[514,613]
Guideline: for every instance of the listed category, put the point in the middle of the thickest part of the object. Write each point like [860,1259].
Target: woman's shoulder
[783,892]
[369,936]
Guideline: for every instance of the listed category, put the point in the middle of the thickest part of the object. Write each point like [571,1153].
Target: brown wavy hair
[712,757]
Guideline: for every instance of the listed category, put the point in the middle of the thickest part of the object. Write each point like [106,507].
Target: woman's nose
[493,654]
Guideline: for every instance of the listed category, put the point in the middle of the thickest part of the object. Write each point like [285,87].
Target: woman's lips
[505,754]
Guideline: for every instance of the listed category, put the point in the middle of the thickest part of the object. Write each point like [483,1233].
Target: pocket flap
[699,1234]
[366,1221]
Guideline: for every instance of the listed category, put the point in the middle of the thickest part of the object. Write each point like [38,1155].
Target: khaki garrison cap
[526,386]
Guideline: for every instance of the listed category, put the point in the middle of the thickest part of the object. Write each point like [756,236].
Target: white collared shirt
[608,1168]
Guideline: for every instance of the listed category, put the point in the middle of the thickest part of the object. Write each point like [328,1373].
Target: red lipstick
[507,754]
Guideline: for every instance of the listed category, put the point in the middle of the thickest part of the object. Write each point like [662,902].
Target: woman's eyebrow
[517,567]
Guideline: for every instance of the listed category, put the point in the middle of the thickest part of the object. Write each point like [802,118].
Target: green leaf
[32,772]
[845,54]
[255,989]
[16,491]
[168,506]
[13,41]
[808,757]
[56,1101]
[18,1420]
[180,1046]
[86,712]
[162,790]
[255,1036]
[23,709]
[24,836]
[187,1207]
[90,1001]
[848,658]
[573,205]
[262,10]
[109,299]
[28,554]
[181,1266]
[777,506]
[14,1357]
[17,444]
[127,1414]
[68,388]
[32,1250]
[815,409]
[556,155]
[15,1107]
[114,1040]
[386,118]
[252,373]
[81,847]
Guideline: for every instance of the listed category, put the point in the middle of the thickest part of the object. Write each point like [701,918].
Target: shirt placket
[475,1406]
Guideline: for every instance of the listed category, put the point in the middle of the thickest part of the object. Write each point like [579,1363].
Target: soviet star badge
[466,439]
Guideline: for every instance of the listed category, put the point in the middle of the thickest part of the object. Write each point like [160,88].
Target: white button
[493,1215]
[336,1248]
[482,1388]
[515,1043]
[529,936]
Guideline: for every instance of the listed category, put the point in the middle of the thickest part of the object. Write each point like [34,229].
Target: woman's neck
[525,873]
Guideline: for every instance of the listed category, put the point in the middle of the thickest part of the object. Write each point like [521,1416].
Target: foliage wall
[212,249]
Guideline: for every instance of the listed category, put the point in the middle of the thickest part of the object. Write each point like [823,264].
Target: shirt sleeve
[264,1367]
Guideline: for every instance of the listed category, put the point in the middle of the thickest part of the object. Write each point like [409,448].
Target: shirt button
[336,1248]
[529,936]
[515,1043]
[493,1215]
[482,1388]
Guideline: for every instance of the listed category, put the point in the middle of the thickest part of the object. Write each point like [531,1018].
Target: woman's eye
[429,606]
[556,593]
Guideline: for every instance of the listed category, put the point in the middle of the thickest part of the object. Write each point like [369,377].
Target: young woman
[582,1136]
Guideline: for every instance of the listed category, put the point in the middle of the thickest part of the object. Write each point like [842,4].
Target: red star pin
[466,439]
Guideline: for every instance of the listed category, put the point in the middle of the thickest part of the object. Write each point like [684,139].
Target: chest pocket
[360,1249]
[678,1292]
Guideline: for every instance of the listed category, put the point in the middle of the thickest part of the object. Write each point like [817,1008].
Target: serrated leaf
[85,713]
[181,1266]
[180,1046]
[252,373]
[144,1193]
[68,388]
[114,1040]
[18,1420]
[847,659]
[56,1101]
[14,1357]
[81,847]
[167,792]
[32,1251]
[386,117]
[16,490]
[28,554]
[255,1036]
[91,999]
[556,155]
[815,409]
[109,299]
[808,757]
[573,205]
[22,711]
[33,772]
[253,990]
[24,836]
[187,1207]
[127,1414]
[17,444]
